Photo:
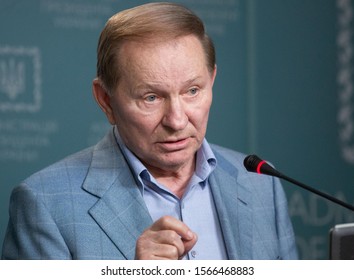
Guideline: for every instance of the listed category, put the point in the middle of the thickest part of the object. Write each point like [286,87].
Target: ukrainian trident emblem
[20,79]
[12,78]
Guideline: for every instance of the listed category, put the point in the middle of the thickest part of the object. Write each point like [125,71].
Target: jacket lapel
[123,216]
[234,206]
[120,211]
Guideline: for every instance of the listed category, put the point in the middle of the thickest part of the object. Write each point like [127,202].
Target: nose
[175,116]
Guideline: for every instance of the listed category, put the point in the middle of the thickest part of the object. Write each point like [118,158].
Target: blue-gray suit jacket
[88,206]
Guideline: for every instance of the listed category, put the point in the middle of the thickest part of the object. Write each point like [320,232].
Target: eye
[150,98]
[193,91]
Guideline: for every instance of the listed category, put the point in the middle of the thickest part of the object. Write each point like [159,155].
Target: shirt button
[193,254]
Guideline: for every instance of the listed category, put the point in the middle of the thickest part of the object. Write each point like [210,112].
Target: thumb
[189,242]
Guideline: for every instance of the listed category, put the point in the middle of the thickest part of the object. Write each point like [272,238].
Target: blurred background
[284,91]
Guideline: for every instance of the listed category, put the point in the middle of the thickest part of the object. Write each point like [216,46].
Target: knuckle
[173,252]
[166,220]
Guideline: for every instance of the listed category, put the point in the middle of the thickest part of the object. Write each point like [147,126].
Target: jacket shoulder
[226,156]
[71,170]
[61,174]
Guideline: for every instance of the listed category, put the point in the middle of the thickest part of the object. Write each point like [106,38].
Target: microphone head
[251,163]
[254,164]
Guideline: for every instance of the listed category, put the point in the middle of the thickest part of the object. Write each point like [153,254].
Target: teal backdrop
[284,91]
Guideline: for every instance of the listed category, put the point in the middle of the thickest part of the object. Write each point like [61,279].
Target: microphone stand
[324,195]
[254,164]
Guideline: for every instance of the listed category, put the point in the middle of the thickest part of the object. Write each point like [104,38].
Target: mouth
[174,145]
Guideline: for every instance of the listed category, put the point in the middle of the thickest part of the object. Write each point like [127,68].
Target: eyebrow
[156,86]
[191,81]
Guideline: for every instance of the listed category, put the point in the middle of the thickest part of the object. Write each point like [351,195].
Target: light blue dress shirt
[196,208]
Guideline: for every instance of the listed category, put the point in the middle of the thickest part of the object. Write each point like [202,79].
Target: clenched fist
[168,238]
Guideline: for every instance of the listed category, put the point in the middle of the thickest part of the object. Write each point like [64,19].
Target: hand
[168,238]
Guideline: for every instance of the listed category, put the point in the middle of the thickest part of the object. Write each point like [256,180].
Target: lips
[175,141]
[173,145]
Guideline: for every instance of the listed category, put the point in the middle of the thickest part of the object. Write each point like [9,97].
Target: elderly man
[153,188]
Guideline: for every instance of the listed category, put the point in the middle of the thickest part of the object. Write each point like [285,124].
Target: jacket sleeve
[32,232]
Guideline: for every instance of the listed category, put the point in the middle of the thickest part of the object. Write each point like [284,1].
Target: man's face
[162,102]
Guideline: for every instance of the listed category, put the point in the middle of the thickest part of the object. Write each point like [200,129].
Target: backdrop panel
[284,90]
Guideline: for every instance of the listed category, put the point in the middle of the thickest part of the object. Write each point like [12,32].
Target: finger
[171,238]
[171,223]
[188,237]
[165,244]
[189,244]
[169,231]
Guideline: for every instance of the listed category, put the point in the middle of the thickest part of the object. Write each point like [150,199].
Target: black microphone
[254,164]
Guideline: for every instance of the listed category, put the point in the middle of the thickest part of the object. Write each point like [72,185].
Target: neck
[177,180]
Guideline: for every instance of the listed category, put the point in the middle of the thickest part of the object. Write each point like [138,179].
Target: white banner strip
[189,270]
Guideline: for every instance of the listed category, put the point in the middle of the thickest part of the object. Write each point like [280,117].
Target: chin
[176,163]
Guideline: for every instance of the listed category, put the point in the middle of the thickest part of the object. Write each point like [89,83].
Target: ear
[214,74]
[103,99]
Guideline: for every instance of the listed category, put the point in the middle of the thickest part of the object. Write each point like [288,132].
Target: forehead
[163,57]
[133,52]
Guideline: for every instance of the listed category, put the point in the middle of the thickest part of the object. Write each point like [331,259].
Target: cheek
[135,134]
[136,125]
[200,115]
[202,124]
